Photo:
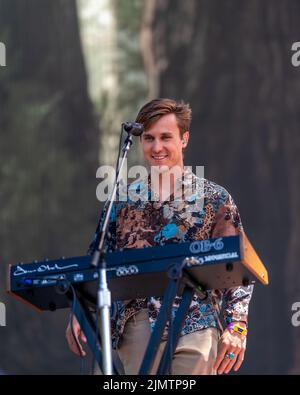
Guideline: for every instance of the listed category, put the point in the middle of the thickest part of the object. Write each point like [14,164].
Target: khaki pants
[195,353]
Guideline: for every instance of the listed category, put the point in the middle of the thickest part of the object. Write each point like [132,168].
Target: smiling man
[180,207]
[162,145]
[162,142]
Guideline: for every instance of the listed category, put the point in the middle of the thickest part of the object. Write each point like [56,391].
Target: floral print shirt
[206,210]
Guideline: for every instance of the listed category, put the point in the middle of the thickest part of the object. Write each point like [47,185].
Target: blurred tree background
[49,150]
[76,70]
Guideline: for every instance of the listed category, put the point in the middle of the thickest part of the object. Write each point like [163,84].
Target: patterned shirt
[204,210]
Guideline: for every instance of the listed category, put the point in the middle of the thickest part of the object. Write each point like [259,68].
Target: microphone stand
[98,260]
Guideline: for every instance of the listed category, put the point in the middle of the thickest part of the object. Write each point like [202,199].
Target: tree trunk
[232,61]
[49,149]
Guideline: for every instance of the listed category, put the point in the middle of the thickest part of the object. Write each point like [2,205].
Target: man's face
[162,144]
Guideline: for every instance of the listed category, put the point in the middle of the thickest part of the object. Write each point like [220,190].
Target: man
[184,208]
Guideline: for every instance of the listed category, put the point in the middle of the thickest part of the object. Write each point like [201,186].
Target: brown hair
[157,108]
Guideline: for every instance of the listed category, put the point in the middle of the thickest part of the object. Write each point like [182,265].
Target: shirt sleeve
[236,299]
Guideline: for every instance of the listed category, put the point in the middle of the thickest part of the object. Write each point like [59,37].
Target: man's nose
[157,146]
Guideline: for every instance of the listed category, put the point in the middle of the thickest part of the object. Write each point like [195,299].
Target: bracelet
[238,329]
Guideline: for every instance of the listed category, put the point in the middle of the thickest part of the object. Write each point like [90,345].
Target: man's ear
[185,138]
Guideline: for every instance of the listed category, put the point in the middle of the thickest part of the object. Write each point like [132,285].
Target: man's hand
[75,344]
[234,343]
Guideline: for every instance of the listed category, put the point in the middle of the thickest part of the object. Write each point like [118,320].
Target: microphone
[134,128]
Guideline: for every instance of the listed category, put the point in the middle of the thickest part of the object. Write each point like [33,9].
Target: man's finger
[239,361]
[231,362]
[226,361]
[74,343]
[221,355]
[78,350]
[78,346]
[82,336]
[75,350]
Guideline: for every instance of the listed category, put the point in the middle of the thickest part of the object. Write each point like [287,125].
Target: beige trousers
[195,353]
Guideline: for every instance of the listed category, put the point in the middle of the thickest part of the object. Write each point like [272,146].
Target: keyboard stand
[179,282]
[177,278]
[177,324]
